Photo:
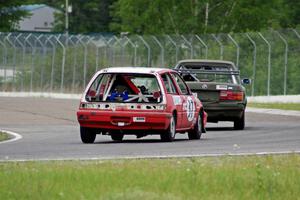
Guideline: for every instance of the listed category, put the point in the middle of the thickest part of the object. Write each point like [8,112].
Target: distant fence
[56,63]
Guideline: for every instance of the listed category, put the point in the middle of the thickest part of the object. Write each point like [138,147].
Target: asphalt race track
[50,131]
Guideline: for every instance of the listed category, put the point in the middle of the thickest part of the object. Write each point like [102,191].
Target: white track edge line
[153,157]
[15,138]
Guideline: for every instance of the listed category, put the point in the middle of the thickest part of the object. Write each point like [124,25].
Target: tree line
[162,16]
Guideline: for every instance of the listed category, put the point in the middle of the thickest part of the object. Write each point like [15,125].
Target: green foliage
[241,177]
[290,15]
[3,136]
[86,16]
[283,106]
[182,17]
[10,14]
[163,17]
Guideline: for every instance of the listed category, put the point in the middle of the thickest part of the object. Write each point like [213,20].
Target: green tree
[177,16]
[86,16]
[10,14]
[245,15]
[291,15]
[157,16]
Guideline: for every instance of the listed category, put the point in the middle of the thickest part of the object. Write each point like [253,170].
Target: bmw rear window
[210,77]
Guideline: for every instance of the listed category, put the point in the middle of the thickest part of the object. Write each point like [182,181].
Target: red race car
[139,101]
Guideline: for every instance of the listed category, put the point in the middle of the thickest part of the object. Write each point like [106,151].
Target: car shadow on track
[139,141]
[248,128]
[219,129]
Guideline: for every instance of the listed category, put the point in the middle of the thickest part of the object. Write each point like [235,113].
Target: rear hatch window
[125,88]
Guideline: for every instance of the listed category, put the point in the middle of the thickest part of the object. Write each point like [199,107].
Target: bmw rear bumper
[224,112]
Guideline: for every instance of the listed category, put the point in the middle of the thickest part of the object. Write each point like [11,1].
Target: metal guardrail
[55,63]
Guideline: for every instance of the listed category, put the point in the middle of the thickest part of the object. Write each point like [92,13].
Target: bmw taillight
[227,95]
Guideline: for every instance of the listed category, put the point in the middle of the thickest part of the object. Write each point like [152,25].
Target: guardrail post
[237,49]
[106,47]
[189,44]
[135,49]
[52,61]
[23,61]
[97,57]
[14,59]
[84,44]
[35,47]
[32,60]
[122,50]
[176,47]
[92,41]
[62,64]
[149,50]
[269,62]
[220,44]
[44,59]
[111,51]
[162,51]
[4,61]
[253,62]
[74,45]
[285,60]
[37,40]
[297,34]
[203,43]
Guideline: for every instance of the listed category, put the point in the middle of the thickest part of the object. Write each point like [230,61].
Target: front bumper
[123,120]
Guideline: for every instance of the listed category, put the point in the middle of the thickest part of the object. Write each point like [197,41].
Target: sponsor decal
[176,100]
[139,119]
[190,108]
[221,87]
[204,86]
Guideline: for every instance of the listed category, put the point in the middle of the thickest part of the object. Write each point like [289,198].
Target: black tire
[116,136]
[240,123]
[169,134]
[195,134]
[87,135]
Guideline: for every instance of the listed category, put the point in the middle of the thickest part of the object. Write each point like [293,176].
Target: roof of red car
[134,70]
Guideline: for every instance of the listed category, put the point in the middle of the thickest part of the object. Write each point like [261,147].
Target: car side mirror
[246,81]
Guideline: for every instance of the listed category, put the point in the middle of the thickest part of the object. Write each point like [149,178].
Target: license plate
[121,123]
[221,87]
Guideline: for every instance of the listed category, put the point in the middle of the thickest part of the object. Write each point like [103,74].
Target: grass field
[284,106]
[3,136]
[240,177]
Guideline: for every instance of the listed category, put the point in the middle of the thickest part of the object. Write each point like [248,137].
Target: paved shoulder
[274,111]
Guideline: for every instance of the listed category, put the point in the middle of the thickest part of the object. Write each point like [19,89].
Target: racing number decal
[190,109]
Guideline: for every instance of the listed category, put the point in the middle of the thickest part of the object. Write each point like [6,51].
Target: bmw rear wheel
[87,135]
[169,134]
[240,123]
[195,134]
